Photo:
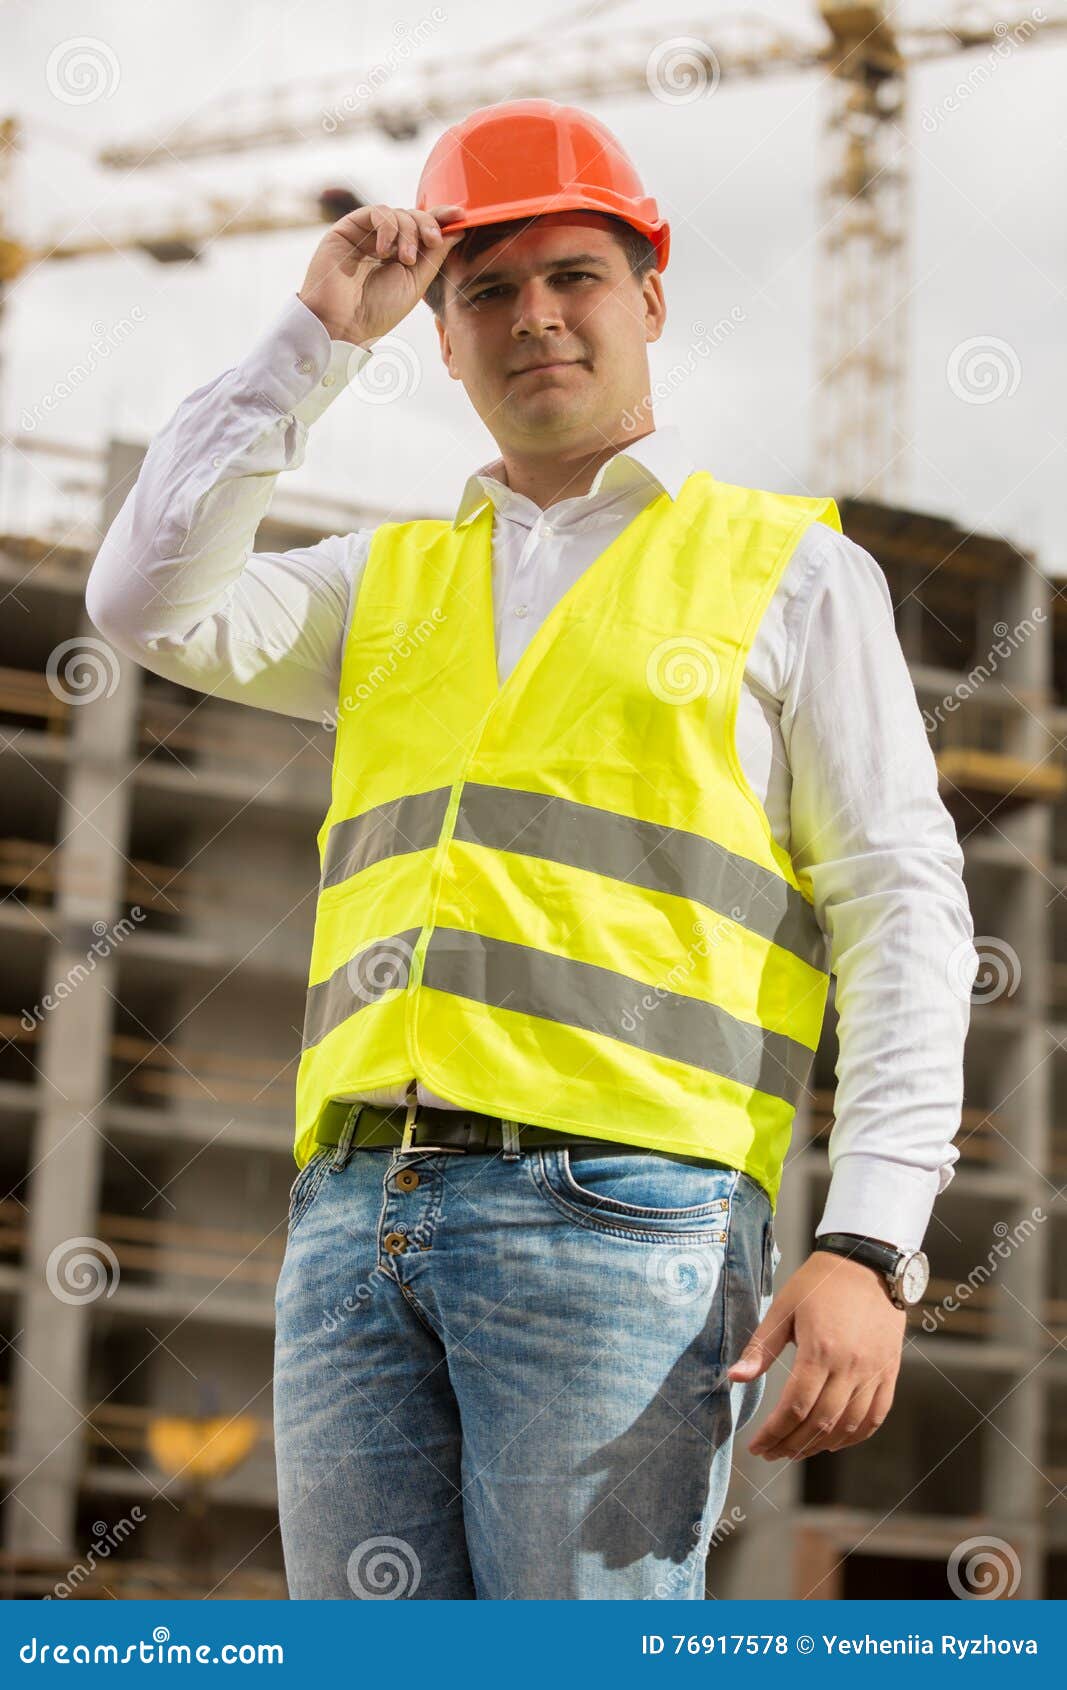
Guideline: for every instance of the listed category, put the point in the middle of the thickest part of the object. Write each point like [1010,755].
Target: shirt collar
[661,458]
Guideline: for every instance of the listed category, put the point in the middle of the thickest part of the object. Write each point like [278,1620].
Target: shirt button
[217,462]
[521,609]
[305,366]
[328,381]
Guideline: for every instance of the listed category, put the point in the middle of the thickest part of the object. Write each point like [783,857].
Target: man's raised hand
[373,266]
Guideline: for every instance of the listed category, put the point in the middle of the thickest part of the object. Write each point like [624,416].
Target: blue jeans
[506,1379]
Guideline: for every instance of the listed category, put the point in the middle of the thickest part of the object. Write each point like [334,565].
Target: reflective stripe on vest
[558,900]
[643,853]
[578,993]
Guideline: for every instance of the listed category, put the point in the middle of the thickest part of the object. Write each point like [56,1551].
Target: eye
[562,275]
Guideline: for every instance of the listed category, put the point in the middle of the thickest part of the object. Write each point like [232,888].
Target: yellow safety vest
[558,900]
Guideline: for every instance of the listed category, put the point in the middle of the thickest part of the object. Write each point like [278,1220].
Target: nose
[537,310]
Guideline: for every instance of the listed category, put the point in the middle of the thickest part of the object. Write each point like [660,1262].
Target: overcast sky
[736,171]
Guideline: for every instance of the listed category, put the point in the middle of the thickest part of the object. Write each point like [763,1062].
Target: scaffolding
[132,1101]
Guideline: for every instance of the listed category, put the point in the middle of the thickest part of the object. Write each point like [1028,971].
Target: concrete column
[58,1299]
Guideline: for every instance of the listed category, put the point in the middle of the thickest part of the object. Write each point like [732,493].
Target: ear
[446,349]
[655,304]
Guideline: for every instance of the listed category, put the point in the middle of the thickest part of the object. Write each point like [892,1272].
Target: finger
[444,214]
[433,253]
[814,1433]
[407,237]
[765,1345]
[359,227]
[849,1429]
[430,228]
[754,1359]
[384,222]
[851,1411]
[879,1409]
[802,1390]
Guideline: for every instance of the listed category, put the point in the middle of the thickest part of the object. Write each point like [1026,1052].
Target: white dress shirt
[829,731]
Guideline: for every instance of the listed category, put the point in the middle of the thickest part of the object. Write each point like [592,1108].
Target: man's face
[560,292]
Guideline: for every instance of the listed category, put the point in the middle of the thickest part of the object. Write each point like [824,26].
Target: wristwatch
[906,1272]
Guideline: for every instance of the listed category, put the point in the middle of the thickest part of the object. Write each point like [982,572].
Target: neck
[567,475]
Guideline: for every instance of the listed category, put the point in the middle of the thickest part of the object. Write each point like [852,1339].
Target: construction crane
[864,207]
[860,403]
[864,54]
[167,236]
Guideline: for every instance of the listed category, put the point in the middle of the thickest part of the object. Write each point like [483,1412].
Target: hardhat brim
[507,211]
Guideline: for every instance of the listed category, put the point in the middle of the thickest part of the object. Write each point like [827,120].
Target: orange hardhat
[523,158]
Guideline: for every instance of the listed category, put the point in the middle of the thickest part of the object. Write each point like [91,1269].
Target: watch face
[915,1277]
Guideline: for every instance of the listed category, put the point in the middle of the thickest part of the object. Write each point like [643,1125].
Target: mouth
[538,369]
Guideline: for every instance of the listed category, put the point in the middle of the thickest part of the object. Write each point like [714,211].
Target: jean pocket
[307,1183]
[644,1196]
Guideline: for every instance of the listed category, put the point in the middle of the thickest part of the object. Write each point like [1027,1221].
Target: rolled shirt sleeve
[176,584]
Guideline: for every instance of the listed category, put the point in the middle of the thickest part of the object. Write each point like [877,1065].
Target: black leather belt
[458,1131]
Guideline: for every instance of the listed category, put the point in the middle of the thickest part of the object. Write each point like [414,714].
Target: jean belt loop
[406,1144]
[511,1140]
[344,1144]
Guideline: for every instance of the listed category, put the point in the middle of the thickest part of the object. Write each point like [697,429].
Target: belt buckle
[407,1147]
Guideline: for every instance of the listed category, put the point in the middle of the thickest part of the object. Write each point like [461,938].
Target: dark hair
[638,249]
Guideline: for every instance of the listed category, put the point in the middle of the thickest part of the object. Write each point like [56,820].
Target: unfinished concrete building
[146,1081]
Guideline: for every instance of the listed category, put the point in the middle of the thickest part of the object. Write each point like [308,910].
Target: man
[627,760]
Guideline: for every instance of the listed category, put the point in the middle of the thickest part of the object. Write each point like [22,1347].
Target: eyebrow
[484,276]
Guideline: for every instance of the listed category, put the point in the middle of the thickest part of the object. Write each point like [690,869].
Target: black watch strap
[871,1251]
